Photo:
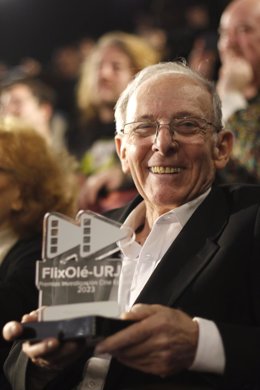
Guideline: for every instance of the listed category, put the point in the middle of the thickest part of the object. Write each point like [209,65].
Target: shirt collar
[180,214]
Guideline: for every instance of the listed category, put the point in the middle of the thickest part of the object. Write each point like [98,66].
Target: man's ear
[223,148]
[122,153]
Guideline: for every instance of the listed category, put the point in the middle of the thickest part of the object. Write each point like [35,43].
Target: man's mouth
[163,170]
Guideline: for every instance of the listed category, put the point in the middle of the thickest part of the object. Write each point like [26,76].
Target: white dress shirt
[139,262]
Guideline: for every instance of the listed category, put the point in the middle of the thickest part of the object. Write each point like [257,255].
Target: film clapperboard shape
[70,246]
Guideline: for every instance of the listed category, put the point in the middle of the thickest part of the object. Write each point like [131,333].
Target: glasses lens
[141,129]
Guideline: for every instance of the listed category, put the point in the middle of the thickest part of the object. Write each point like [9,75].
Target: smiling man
[190,281]
[172,141]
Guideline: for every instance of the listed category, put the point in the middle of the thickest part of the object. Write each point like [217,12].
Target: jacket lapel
[192,250]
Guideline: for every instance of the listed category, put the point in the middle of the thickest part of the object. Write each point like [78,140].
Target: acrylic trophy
[78,277]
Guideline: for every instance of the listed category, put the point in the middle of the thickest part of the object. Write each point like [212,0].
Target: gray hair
[177,67]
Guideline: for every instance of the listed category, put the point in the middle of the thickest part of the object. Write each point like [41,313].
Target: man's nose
[164,139]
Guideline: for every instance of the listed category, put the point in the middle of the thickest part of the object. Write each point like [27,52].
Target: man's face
[240,32]
[113,72]
[168,173]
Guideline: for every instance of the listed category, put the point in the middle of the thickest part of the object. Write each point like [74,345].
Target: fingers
[52,353]
[139,312]
[40,349]
[33,315]
[12,330]
[133,334]
[162,341]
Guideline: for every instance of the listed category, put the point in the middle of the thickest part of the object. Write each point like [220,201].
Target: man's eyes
[189,124]
[145,126]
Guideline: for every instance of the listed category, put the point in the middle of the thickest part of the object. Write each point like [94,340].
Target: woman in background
[34,180]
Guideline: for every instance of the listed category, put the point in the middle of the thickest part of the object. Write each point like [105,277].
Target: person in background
[34,180]
[34,102]
[115,59]
[62,73]
[190,281]
[238,86]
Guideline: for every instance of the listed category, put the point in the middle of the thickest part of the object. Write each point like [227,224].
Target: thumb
[12,330]
[139,312]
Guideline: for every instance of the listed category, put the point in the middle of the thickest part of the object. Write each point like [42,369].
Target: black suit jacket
[211,270]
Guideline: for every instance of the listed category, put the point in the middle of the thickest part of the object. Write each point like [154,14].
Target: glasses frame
[170,125]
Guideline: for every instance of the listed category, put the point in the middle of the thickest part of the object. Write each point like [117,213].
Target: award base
[91,328]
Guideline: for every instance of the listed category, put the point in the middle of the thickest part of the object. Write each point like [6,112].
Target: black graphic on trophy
[78,277]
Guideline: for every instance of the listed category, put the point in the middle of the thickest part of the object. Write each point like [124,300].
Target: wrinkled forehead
[166,91]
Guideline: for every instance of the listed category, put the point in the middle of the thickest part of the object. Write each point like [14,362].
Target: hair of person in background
[46,178]
[139,51]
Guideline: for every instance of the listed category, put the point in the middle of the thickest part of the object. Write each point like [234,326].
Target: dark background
[36,27]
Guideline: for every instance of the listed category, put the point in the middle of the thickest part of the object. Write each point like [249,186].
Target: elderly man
[191,279]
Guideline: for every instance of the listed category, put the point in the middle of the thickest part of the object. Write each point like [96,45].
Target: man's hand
[235,75]
[14,329]
[48,353]
[162,342]
[109,180]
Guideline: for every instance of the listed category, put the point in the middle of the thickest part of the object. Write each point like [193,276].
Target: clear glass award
[78,276]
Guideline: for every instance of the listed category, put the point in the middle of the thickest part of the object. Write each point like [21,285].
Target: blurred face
[9,197]
[240,32]
[18,101]
[168,169]
[113,72]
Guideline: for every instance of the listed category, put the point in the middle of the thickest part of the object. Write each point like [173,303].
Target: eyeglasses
[184,128]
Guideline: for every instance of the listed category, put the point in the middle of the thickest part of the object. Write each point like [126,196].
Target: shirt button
[148,256]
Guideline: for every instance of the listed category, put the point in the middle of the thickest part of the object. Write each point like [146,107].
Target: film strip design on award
[89,234]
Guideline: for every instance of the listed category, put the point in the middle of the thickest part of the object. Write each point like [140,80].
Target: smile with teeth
[159,169]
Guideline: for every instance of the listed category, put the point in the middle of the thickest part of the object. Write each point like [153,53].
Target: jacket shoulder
[242,195]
